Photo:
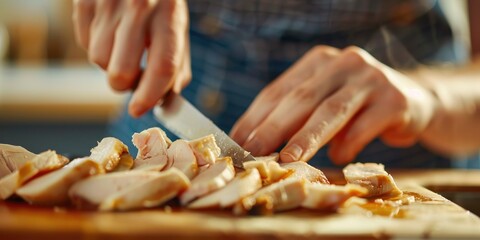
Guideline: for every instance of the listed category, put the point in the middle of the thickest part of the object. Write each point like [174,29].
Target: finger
[124,65]
[327,120]
[102,32]
[289,115]
[363,129]
[314,61]
[398,137]
[168,28]
[83,12]
[185,74]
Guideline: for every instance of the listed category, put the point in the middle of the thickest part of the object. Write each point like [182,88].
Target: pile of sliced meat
[194,172]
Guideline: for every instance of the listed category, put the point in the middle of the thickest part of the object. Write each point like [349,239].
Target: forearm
[455,126]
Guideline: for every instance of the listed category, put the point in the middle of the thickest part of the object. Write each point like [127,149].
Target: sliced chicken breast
[209,180]
[42,163]
[12,158]
[152,147]
[89,193]
[243,185]
[151,193]
[329,197]
[109,152]
[373,177]
[205,149]
[280,196]
[270,171]
[182,157]
[125,163]
[304,170]
[52,188]
[272,157]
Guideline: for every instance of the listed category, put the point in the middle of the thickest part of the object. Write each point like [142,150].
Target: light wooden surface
[56,93]
[436,218]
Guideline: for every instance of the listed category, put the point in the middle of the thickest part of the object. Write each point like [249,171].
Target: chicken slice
[152,147]
[151,193]
[12,158]
[329,197]
[280,196]
[109,152]
[91,192]
[243,185]
[125,163]
[274,157]
[205,149]
[52,189]
[270,171]
[209,180]
[182,157]
[42,163]
[373,177]
[304,170]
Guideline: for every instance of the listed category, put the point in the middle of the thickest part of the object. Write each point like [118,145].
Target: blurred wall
[50,96]
[39,31]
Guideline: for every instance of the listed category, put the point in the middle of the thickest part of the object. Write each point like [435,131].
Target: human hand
[344,97]
[117,32]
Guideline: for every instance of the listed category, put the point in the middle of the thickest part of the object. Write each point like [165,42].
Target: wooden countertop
[437,217]
[56,93]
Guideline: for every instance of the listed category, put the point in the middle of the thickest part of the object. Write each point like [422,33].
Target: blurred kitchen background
[52,98]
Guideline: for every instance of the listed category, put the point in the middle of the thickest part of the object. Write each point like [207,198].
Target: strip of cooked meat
[373,177]
[270,171]
[216,176]
[52,188]
[182,157]
[205,149]
[329,197]
[304,170]
[243,185]
[151,193]
[42,163]
[91,192]
[280,196]
[152,147]
[12,158]
[111,154]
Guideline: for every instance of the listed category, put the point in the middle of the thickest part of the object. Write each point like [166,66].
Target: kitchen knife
[183,119]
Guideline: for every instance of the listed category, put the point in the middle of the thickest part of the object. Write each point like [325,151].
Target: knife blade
[187,122]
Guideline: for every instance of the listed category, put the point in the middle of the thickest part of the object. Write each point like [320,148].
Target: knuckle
[335,106]
[304,93]
[322,52]
[272,93]
[354,55]
[310,139]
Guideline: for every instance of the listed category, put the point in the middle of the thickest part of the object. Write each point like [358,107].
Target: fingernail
[252,144]
[294,152]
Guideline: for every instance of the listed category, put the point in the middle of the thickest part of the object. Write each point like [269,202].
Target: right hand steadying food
[115,33]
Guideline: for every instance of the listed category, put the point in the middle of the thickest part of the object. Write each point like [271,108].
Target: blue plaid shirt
[238,47]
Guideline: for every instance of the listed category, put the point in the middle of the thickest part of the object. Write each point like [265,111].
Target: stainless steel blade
[183,119]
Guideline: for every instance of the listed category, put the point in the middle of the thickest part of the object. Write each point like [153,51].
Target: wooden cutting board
[430,216]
